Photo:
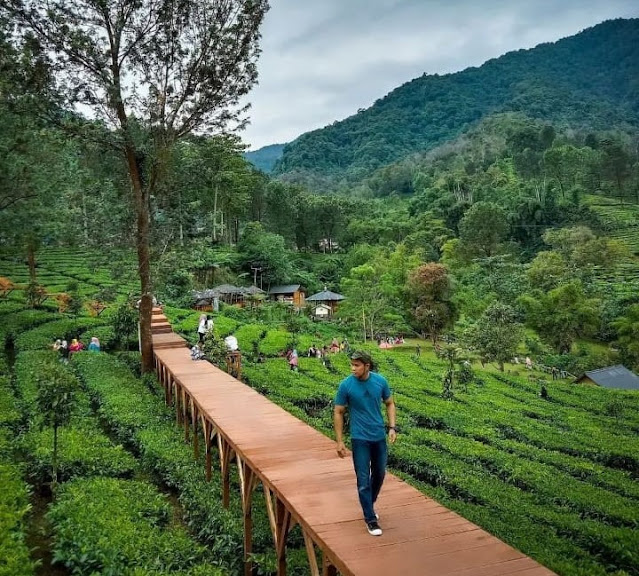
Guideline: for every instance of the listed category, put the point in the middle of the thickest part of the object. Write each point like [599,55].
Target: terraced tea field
[556,478]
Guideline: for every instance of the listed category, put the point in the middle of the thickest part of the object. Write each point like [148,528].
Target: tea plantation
[555,477]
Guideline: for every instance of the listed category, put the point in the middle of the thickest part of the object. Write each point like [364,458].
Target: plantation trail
[38,534]
[39,538]
[306,483]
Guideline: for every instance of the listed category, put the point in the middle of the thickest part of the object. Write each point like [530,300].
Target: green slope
[588,80]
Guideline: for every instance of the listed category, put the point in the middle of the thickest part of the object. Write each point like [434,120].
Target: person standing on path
[362,393]
[201,328]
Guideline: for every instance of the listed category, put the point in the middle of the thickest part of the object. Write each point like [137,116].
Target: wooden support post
[328,569]
[248,483]
[234,364]
[178,410]
[208,437]
[196,438]
[310,552]
[284,523]
[166,382]
[185,411]
[225,450]
[270,509]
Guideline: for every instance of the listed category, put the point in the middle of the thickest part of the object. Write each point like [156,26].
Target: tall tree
[562,315]
[168,67]
[429,289]
[482,228]
[497,334]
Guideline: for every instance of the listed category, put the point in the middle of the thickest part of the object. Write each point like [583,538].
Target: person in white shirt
[201,328]
[231,343]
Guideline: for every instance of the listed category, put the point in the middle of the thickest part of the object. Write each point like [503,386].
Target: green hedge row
[13,324]
[83,450]
[484,451]
[44,336]
[111,526]
[139,418]
[15,557]
[30,368]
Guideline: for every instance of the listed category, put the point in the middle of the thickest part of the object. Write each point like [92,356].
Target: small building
[325,299]
[616,377]
[291,294]
[227,293]
[322,311]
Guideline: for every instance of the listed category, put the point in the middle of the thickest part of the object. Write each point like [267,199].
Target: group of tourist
[385,342]
[65,349]
[334,347]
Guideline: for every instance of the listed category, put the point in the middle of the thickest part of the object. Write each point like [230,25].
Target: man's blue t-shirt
[364,398]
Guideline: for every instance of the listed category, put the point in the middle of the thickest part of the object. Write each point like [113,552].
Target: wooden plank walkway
[305,482]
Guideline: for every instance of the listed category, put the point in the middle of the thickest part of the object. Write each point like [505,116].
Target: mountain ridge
[588,80]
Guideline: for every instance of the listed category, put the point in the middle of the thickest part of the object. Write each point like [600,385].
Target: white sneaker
[373,528]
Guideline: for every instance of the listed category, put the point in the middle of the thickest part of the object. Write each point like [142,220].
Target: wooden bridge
[306,483]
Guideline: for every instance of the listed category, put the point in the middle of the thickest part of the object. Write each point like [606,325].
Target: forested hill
[266,157]
[588,80]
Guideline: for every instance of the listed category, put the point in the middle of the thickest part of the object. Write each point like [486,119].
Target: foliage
[483,228]
[55,402]
[112,526]
[14,506]
[628,336]
[267,251]
[124,323]
[562,315]
[571,81]
[35,294]
[215,349]
[83,451]
[497,334]
[429,288]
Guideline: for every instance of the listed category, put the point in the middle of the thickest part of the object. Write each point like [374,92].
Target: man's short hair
[363,357]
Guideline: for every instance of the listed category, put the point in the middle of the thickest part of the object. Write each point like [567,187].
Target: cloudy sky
[324,59]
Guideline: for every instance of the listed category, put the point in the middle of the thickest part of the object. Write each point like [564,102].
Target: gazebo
[325,300]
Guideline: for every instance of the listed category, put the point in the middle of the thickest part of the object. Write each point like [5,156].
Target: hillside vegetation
[588,80]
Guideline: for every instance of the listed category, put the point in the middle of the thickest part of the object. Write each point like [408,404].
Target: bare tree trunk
[181,220]
[215,214]
[31,259]
[85,218]
[144,260]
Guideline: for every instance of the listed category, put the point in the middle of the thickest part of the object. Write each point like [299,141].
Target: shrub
[14,505]
[44,336]
[83,451]
[105,334]
[110,526]
[9,415]
[124,323]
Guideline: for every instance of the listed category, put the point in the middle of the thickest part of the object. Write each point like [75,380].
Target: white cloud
[322,61]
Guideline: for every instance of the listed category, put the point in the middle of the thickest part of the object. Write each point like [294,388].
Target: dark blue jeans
[369,459]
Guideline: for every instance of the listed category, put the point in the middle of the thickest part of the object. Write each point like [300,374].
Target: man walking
[362,393]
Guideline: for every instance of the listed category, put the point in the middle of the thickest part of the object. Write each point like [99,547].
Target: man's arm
[338,424]
[390,413]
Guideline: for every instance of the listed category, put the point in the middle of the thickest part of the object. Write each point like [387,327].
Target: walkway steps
[300,467]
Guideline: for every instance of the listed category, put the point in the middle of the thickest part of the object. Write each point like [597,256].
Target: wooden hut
[291,294]
[325,300]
